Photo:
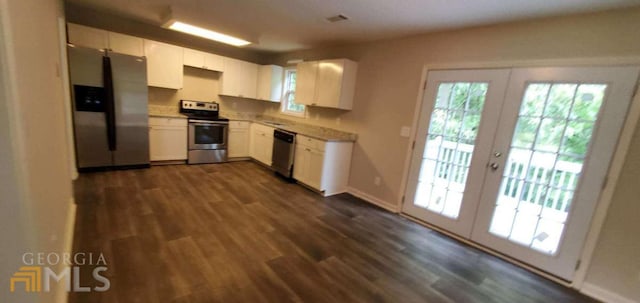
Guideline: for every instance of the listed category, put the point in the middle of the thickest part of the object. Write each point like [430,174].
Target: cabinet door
[314,174]
[85,36]
[329,82]
[306,73]
[125,44]
[239,79]
[263,144]
[167,143]
[254,148]
[238,143]
[249,80]
[335,83]
[268,149]
[300,163]
[164,64]
[213,62]
[269,86]
[194,58]
[231,77]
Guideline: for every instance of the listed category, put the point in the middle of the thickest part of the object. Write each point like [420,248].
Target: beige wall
[388,85]
[38,201]
[203,85]
[198,84]
[616,262]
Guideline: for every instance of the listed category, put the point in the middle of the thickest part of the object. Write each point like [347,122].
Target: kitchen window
[289,106]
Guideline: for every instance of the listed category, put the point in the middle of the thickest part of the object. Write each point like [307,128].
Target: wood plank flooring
[234,232]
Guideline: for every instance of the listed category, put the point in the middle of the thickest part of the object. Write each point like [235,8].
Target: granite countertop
[316,132]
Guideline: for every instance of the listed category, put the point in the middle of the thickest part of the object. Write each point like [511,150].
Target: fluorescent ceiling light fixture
[207,34]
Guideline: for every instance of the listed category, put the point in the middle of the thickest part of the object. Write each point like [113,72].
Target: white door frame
[497,80]
[615,168]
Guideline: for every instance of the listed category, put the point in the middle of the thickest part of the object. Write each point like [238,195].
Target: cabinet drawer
[263,128]
[310,142]
[157,121]
[239,124]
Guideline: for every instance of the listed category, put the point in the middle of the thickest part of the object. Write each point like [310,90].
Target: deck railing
[537,178]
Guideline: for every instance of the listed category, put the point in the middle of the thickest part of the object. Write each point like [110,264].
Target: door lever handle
[494,166]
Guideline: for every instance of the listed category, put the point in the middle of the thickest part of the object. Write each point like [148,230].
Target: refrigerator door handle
[110,108]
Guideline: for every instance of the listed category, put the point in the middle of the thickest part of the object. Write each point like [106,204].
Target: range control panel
[198,105]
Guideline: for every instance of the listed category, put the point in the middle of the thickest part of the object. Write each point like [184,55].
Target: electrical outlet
[376,181]
[405,131]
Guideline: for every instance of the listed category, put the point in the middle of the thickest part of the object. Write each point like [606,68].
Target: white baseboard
[70,226]
[373,200]
[62,296]
[603,295]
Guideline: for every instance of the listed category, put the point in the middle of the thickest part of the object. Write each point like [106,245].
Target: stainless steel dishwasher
[283,149]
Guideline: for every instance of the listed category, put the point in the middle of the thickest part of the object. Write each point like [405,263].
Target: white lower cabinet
[322,165]
[261,146]
[239,135]
[167,139]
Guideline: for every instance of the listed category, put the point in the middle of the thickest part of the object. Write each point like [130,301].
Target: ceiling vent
[337,18]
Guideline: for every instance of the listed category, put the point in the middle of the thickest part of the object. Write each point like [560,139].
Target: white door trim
[497,81]
[624,141]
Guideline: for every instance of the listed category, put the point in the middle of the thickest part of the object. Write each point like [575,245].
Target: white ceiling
[284,25]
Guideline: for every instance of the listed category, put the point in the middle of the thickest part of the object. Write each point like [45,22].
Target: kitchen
[264,173]
[322,155]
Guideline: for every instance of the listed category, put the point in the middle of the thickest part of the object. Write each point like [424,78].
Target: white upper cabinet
[270,83]
[164,64]
[239,79]
[203,60]
[306,73]
[85,36]
[327,83]
[125,44]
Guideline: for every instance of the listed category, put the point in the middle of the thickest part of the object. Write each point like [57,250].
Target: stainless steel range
[208,132]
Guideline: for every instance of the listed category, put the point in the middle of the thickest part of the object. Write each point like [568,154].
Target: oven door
[207,135]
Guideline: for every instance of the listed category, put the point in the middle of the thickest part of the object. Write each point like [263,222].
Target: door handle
[494,166]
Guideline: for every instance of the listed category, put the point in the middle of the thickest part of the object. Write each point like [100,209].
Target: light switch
[405,131]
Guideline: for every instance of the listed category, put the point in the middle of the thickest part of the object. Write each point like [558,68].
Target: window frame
[285,94]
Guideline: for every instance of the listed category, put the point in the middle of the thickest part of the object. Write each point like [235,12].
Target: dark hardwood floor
[236,233]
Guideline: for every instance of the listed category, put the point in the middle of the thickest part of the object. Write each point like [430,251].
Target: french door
[515,159]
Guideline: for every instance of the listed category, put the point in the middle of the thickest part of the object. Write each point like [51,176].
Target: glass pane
[525,134]
[588,101]
[290,93]
[550,143]
[534,99]
[209,134]
[449,147]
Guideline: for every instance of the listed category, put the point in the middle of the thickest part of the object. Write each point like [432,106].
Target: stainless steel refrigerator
[109,93]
